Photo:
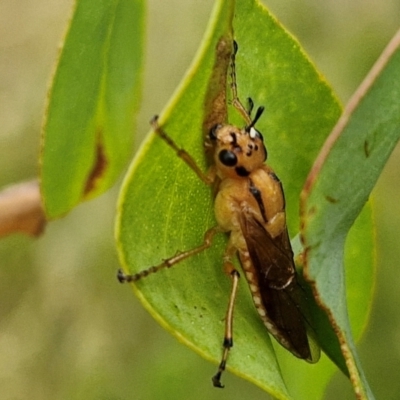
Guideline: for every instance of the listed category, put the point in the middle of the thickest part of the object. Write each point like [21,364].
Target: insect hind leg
[169,262]
[228,336]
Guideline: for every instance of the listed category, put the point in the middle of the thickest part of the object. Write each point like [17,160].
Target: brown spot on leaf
[215,108]
[312,211]
[331,199]
[367,148]
[99,166]
[215,100]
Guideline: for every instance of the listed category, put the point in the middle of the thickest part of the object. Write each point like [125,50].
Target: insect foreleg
[228,336]
[245,113]
[207,178]
[235,98]
[169,262]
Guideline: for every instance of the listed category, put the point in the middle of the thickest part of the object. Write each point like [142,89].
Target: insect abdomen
[252,279]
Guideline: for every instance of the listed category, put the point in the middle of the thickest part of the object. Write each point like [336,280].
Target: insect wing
[282,296]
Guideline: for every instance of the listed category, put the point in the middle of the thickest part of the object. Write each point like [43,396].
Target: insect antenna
[259,112]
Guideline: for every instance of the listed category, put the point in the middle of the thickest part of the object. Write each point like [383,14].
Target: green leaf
[335,193]
[164,207]
[88,128]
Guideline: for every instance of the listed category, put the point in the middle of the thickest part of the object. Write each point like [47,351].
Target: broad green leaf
[88,128]
[335,193]
[164,207]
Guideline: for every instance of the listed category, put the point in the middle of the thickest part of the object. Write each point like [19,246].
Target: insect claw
[216,380]
[121,276]
[154,122]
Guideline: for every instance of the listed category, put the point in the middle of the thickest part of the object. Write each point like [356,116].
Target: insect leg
[245,113]
[181,153]
[169,262]
[235,99]
[228,336]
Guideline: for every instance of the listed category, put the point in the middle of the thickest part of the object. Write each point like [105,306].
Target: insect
[250,206]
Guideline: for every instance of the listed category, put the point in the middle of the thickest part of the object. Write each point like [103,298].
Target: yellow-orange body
[234,197]
[250,205]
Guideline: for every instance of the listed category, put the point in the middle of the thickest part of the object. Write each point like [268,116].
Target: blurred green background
[68,330]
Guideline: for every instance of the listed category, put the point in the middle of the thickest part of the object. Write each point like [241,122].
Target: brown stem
[21,209]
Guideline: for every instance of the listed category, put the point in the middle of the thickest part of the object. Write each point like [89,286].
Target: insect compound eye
[255,134]
[213,132]
[227,158]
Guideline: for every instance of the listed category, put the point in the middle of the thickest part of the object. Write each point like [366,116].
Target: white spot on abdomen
[257,300]
[261,311]
[253,288]
[249,276]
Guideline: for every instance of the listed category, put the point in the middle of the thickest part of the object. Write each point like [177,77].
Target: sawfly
[249,206]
